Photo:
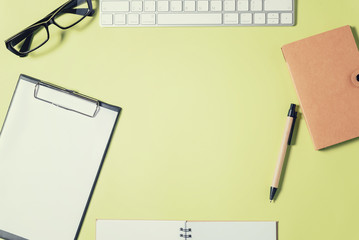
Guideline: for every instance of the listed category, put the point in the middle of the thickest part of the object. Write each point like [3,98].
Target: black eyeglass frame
[46,22]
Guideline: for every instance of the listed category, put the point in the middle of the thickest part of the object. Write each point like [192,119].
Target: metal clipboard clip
[60,97]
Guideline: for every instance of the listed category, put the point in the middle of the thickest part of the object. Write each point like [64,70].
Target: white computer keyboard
[141,13]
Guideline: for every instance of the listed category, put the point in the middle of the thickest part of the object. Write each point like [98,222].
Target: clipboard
[325,72]
[52,147]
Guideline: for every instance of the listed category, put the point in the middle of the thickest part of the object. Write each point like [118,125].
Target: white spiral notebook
[52,146]
[181,230]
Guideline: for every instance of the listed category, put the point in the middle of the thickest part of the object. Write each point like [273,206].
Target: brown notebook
[325,72]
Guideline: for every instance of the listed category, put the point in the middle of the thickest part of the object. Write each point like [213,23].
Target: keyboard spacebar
[189,18]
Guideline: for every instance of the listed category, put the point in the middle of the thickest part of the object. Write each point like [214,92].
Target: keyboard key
[256,5]
[150,6]
[176,6]
[162,6]
[273,15]
[216,6]
[148,18]
[189,19]
[202,6]
[189,6]
[286,18]
[259,18]
[136,6]
[229,6]
[246,18]
[278,5]
[230,18]
[106,19]
[273,20]
[133,19]
[120,19]
[243,5]
[121,6]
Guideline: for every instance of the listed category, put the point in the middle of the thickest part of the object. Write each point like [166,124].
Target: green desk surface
[203,115]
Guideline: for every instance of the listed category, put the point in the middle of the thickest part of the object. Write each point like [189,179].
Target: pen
[288,132]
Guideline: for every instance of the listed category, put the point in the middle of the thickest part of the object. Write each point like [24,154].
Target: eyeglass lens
[30,39]
[72,13]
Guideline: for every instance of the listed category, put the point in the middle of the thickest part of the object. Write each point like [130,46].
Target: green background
[204,110]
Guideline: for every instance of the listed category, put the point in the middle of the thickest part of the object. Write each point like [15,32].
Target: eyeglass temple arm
[77,11]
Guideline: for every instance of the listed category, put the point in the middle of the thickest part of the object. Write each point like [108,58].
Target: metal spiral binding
[185,230]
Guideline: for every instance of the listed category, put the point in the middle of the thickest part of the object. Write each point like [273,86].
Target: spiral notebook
[180,230]
[52,147]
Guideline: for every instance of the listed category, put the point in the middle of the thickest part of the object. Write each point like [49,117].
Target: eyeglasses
[36,35]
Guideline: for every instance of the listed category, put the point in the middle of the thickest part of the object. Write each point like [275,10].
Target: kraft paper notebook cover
[52,146]
[180,230]
[324,70]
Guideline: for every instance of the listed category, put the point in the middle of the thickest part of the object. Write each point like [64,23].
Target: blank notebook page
[233,230]
[138,230]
